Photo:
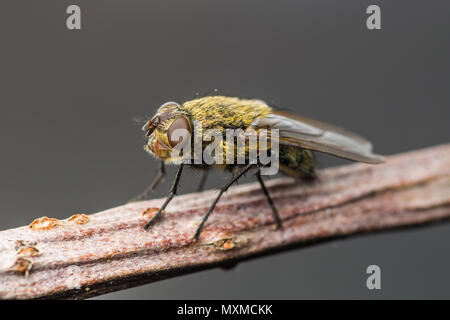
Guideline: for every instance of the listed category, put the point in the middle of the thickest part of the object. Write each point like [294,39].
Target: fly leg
[144,195]
[276,216]
[201,184]
[172,193]
[221,192]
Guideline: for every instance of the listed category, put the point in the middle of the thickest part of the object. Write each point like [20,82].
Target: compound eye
[179,131]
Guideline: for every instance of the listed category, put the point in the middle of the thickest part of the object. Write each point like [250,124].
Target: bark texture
[87,255]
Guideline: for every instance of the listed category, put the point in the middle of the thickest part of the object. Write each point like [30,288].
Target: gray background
[68,100]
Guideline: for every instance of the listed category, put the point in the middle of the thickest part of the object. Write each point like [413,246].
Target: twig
[89,255]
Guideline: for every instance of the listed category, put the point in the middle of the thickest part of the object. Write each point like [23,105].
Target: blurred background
[68,100]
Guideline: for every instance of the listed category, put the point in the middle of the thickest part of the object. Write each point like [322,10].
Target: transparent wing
[315,135]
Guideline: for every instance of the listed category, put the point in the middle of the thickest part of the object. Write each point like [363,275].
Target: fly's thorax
[226,112]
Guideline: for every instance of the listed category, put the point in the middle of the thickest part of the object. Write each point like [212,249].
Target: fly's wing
[311,134]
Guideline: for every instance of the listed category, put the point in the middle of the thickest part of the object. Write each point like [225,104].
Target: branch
[89,255]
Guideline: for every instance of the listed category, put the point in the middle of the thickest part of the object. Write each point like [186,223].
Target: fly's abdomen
[297,162]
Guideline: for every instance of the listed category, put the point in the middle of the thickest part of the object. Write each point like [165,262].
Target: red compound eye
[179,131]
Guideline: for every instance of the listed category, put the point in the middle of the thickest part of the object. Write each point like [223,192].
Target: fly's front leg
[221,192]
[276,216]
[144,195]
[172,193]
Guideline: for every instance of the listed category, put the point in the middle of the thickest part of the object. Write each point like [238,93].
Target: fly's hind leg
[276,216]
[144,195]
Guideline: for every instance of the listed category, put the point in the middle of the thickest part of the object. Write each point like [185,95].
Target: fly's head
[169,128]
